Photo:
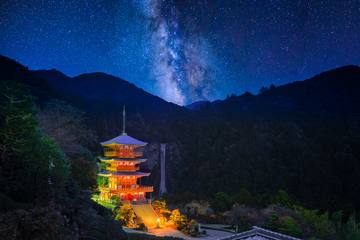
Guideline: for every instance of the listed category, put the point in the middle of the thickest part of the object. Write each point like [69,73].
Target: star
[184,51]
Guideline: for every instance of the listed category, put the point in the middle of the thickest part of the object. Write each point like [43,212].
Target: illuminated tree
[126,215]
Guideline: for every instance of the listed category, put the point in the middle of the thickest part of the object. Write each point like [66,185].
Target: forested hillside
[46,169]
[303,138]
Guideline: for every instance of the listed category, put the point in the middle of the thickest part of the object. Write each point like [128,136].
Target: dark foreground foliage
[40,194]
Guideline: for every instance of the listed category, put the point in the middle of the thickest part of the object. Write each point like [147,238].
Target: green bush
[273,221]
[320,224]
[290,227]
[351,229]
[283,198]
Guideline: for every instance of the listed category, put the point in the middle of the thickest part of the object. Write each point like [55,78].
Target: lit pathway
[146,213]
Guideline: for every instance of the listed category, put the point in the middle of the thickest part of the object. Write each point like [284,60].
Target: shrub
[273,221]
[283,199]
[319,224]
[290,227]
[175,217]
[193,228]
[182,223]
[351,229]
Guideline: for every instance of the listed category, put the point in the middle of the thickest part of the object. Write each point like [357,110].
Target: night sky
[184,51]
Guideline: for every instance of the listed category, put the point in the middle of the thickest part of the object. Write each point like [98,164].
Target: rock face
[80,219]
[151,153]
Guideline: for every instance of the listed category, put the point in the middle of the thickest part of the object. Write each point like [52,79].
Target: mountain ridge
[301,137]
[333,91]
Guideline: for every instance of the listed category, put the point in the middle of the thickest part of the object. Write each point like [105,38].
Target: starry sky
[184,50]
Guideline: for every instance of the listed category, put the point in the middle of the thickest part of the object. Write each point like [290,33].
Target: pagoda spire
[124,121]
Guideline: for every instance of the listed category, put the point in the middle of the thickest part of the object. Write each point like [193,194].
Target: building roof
[124,139]
[257,233]
[140,174]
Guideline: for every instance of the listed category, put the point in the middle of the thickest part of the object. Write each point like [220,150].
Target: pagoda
[122,155]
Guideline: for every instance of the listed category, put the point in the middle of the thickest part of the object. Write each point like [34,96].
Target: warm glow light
[124,185]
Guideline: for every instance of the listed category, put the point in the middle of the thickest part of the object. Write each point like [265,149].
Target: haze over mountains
[302,137]
[103,87]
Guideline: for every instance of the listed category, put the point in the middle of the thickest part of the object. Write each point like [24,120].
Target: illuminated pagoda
[123,154]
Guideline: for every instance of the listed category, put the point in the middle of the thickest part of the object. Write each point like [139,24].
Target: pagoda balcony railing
[104,189]
[119,154]
[122,168]
[132,190]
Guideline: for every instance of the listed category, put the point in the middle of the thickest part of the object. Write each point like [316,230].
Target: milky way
[184,50]
[180,66]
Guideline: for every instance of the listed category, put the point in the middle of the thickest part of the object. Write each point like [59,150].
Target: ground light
[158,223]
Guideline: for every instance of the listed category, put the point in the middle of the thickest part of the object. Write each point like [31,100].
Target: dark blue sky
[182,50]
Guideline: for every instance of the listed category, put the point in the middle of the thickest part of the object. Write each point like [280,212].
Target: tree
[65,124]
[179,220]
[263,89]
[161,210]
[319,224]
[175,217]
[125,214]
[160,207]
[283,199]
[32,165]
[221,202]
[244,197]
[351,229]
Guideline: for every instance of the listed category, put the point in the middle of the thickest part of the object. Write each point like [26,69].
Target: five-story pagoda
[123,155]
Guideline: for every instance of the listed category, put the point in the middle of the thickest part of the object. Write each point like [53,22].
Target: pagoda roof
[140,174]
[122,159]
[124,139]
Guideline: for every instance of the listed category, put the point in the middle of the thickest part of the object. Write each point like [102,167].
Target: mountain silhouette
[303,137]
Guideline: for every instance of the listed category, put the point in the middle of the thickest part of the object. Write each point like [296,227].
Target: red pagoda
[123,155]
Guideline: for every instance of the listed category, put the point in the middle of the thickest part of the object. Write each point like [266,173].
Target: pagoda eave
[136,174]
[143,189]
[124,139]
[102,174]
[110,159]
[123,174]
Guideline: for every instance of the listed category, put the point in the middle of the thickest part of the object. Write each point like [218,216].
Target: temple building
[258,233]
[122,155]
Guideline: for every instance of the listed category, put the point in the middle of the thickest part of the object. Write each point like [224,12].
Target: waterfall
[162,188]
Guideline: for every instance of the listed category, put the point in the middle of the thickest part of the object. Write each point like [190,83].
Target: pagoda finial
[124,121]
